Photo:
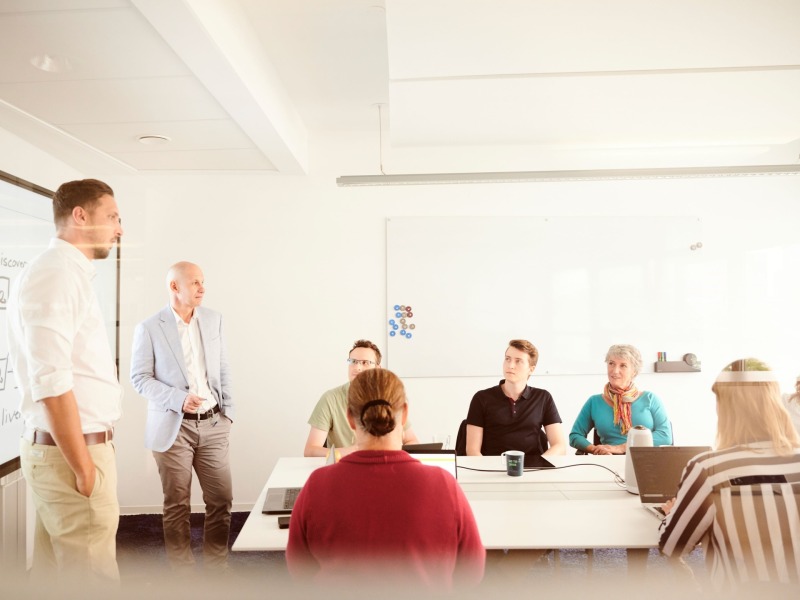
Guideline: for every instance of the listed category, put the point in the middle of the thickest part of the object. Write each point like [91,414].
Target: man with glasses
[329,419]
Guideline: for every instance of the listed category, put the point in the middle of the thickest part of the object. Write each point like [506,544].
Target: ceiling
[248,84]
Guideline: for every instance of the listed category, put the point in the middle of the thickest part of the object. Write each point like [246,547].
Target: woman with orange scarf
[620,407]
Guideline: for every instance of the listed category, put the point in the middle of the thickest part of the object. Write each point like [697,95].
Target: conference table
[576,505]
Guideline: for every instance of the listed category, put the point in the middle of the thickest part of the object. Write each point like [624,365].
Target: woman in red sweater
[380,515]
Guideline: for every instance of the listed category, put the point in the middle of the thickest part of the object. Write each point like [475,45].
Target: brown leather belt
[202,416]
[45,439]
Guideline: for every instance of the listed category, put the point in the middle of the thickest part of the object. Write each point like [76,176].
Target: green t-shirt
[330,414]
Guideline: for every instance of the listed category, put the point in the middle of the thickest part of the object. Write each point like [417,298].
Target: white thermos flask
[638,435]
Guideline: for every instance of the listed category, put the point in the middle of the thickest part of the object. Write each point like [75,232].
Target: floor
[563,573]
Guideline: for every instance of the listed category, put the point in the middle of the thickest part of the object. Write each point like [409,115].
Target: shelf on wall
[675,366]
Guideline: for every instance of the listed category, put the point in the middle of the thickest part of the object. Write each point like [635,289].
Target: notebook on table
[445,459]
[658,472]
[534,461]
[280,500]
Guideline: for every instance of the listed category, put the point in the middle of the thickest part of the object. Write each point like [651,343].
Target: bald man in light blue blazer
[179,365]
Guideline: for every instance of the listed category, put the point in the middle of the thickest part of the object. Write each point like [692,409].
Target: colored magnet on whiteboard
[408,335]
[402,307]
[395,327]
[398,315]
[392,333]
[409,314]
[397,307]
[408,308]
[392,322]
[404,326]
[403,321]
[412,326]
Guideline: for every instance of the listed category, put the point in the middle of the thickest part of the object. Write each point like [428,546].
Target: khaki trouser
[202,446]
[76,537]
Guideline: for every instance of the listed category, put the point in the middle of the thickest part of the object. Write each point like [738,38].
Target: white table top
[576,506]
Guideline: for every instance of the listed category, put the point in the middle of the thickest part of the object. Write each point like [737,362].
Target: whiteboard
[571,285]
[26,227]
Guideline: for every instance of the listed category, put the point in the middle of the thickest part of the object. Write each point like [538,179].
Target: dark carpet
[143,566]
[142,558]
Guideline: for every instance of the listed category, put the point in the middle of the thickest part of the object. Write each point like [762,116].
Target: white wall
[297,266]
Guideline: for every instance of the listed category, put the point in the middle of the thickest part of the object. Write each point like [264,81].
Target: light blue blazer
[158,372]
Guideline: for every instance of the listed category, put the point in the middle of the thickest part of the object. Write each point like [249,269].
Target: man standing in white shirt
[179,364]
[70,394]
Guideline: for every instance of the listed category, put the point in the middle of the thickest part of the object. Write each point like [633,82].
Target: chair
[595,441]
[544,444]
[461,439]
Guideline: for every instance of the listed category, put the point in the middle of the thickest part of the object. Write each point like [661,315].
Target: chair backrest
[461,439]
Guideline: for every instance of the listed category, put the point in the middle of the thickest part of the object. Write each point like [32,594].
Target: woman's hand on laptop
[667,507]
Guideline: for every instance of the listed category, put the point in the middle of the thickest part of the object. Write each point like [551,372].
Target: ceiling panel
[185,135]
[674,109]
[115,101]
[113,43]
[197,160]
[461,38]
[254,80]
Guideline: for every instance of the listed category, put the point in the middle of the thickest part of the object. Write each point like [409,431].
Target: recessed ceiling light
[154,140]
[51,64]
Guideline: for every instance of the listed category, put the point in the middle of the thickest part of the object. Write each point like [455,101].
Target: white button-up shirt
[57,340]
[195,360]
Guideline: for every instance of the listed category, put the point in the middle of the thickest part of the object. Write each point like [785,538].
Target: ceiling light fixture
[565,175]
[154,140]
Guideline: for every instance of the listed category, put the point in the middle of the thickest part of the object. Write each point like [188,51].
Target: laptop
[280,501]
[445,459]
[658,472]
[423,447]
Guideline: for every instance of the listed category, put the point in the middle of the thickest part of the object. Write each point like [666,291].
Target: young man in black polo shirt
[511,415]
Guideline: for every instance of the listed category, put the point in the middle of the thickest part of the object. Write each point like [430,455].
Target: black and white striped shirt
[743,504]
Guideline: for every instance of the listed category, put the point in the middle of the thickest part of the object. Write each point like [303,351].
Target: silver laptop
[658,472]
[280,501]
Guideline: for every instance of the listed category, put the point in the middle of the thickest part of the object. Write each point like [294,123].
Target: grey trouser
[202,446]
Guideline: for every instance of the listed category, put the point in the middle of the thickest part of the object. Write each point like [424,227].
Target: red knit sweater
[382,516]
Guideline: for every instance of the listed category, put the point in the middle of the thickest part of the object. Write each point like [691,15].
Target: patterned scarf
[620,401]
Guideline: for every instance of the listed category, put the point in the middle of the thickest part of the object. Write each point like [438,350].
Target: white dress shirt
[195,360]
[57,340]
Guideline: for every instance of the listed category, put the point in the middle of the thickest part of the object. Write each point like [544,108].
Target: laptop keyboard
[290,497]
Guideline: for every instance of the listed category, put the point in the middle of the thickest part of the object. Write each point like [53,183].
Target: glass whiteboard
[26,227]
[571,285]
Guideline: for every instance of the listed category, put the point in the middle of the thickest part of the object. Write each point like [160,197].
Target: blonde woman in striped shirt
[742,501]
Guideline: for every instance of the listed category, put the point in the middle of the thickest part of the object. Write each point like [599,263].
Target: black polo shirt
[517,429]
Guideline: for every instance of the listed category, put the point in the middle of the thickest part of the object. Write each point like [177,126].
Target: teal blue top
[646,410]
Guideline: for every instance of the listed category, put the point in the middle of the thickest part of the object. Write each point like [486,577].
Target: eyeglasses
[363,363]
